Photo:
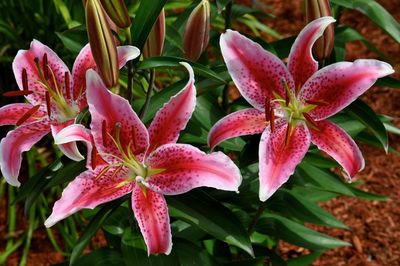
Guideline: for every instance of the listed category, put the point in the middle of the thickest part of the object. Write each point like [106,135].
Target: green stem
[148,96]
[31,228]
[48,230]
[257,216]
[12,211]
[228,24]
[131,67]
[228,15]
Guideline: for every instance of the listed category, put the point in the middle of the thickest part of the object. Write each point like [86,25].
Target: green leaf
[388,82]
[200,209]
[296,233]
[292,204]
[190,254]
[134,250]
[368,117]
[319,178]
[146,16]
[95,223]
[304,260]
[376,13]
[169,61]
[73,39]
[345,34]
[319,161]
[101,257]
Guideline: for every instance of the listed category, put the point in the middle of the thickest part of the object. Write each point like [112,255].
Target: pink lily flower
[291,103]
[145,162]
[55,99]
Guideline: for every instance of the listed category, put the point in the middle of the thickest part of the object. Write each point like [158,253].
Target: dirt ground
[374,226]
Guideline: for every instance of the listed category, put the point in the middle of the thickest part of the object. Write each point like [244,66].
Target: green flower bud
[323,46]
[155,42]
[117,11]
[197,31]
[102,43]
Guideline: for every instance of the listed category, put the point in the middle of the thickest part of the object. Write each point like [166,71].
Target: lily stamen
[17,93]
[317,103]
[27,115]
[310,120]
[45,67]
[48,106]
[24,80]
[272,119]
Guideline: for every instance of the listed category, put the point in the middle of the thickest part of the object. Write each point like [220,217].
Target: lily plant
[145,162]
[291,104]
[55,99]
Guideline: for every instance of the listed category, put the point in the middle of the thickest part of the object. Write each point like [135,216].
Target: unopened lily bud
[102,43]
[155,42]
[197,31]
[323,46]
[117,11]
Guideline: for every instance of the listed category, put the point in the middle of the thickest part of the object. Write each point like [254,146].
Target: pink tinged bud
[117,11]
[323,46]
[102,43]
[197,31]
[155,42]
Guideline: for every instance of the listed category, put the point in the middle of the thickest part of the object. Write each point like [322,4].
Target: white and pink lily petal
[173,117]
[333,140]
[15,143]
[301,63]
[244,122]
[117,130]
[90,189]
[183,167]
[257,73]
[75,133]
[336,86]
[280,151]
[151,213]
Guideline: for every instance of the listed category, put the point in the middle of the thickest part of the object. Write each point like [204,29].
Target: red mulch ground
[374,226]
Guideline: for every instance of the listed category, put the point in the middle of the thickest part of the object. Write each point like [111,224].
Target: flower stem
[228,23]
[148,96]
[131,67]
[257,216]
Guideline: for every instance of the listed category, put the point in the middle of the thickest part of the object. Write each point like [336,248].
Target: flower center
[293,110]
[138,171]
[59,106]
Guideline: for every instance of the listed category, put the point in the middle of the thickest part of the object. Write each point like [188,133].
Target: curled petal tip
[189,69]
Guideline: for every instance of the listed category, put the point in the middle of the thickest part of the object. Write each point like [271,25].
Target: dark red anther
[93,157]
[36,60]
[318,103]
[310,120]
[24,80]
[48,104]
[288,132]
[28,114]
[67,87]
[45,67]
[287,97]
[272,120]
[267,109]
[17,93]
[104,132]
